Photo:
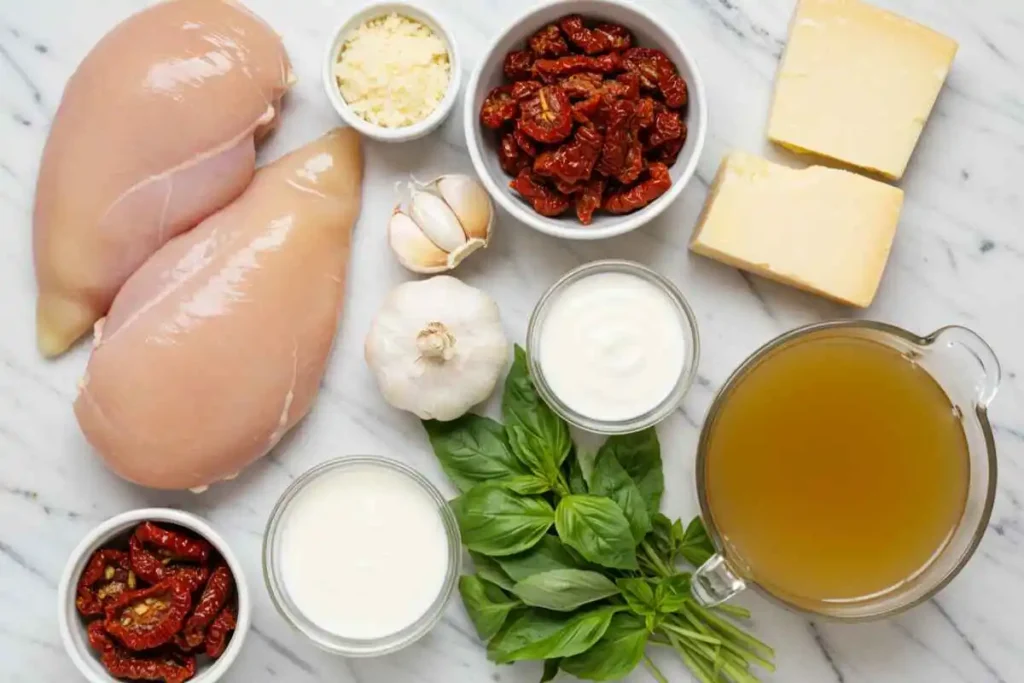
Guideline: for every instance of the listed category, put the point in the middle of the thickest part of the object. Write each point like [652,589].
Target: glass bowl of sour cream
[361,555]
[613,347]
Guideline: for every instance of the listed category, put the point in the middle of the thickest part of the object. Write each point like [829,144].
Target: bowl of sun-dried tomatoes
[586,125]
[153,595]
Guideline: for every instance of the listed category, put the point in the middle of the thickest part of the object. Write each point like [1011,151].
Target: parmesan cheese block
[857,84]
[393,71]
[820,229]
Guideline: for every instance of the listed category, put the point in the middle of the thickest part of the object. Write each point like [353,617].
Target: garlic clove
[437,221]
[414,249]
[470,203]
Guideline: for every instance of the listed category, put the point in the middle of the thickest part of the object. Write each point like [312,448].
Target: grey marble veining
[958,258]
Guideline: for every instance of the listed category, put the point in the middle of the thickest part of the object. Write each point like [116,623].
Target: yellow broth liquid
[836,470]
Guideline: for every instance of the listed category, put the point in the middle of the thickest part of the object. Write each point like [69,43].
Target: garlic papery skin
[437,220]
[470,202]
[437,348]
[450,215]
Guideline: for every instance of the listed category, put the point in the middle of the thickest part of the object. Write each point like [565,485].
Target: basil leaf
[609,479]
[537,458]
[639,454]
[672,593]
[639,595]
[661,538]
[526,484]
[614,656]
[550,670]
[487,605]
[564,590]
[496,521]
[577,482]
[472,449]
[596,528]
[547,555]
[695,545]
[522,407]
[488,569]
[538,634]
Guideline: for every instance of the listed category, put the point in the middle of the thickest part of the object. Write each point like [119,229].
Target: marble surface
[958,258]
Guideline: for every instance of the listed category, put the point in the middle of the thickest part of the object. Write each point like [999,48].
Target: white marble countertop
[958,258]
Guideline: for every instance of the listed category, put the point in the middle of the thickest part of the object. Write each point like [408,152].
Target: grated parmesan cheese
[393,71]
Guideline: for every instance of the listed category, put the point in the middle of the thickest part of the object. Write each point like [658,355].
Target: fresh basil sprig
[580,573]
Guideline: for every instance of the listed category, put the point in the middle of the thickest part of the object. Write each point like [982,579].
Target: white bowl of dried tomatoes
[585,120]
[130,579]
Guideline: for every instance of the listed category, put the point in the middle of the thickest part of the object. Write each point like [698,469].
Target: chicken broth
[836,470]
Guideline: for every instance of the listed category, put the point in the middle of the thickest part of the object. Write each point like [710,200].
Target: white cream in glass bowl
[361,555]
[613,347]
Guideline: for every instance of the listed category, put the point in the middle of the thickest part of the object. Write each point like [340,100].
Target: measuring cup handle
[957,338]
[714,582]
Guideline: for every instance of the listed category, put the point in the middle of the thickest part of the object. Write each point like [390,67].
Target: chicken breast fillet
[156,131]
[216,346]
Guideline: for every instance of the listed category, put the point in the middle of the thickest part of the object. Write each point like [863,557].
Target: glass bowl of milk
[361,555]
[613,347]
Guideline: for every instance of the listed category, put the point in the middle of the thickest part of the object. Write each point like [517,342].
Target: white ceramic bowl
[649,31]
[370,130]
[72,626]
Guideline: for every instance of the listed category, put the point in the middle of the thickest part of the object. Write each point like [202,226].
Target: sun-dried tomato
[617,36]
[523,89]
[499,107]
[220,629]
[574,161]
[567,188]
[549,42]
[510,156]
[582,37]
[545,200]
[656,72]
[641,194]
[215,596]
[547,115]
[193,578]
[148,618]
[604,38]
[582,85]
[643,61]
[99,639]
[524,141]
[618,137]
[519,65]
[668,125]
[169,667]
[106,576]
[585,111]
[589,200]
[626,86]
[634,164]
[645,111]
[668,152]
[173,545]
[553,69]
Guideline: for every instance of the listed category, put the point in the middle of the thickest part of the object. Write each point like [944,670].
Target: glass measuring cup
[967,370]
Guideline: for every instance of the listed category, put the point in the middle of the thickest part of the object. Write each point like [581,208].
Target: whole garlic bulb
[437,347]
[448,219]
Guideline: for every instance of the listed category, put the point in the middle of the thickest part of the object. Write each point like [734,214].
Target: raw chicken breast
[154,133]
[216,346]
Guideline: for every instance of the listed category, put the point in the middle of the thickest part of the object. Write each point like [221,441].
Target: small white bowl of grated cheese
[392,72]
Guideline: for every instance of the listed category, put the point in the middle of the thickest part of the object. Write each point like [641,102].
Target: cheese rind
[857,84]
[823,230]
